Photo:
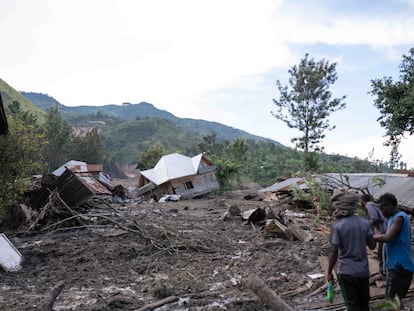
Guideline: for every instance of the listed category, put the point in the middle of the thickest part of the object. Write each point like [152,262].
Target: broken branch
[266,295]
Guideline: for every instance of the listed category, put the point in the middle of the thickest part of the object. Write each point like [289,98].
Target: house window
[188,185]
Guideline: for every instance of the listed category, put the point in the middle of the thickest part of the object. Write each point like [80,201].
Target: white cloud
[201,59]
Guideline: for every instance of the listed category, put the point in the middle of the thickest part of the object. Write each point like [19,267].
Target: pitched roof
[173,166]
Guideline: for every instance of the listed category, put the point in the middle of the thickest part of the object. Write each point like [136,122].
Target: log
[159,303]
[266,295]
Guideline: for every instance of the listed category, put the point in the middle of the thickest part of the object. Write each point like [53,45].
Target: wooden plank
[274,226]
[373,265]
[300,234]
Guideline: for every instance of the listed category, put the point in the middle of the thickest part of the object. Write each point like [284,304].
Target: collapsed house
[180,175]
[75,181]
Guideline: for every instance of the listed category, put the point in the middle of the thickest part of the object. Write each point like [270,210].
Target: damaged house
[178,174]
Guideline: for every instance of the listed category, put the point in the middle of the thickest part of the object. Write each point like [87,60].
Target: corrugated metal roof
[72,189]
[88,168]
[284,185]
[92,184]
[70,163]
[173,166]
[401,185]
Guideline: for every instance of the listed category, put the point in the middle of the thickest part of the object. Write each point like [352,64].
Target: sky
[216,60]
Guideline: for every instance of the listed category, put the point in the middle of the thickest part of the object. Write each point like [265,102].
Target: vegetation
[306,105]
[20,155]
[58,136]
[150,157]
[88,148]
[10,95]
[129,112]
[395,103]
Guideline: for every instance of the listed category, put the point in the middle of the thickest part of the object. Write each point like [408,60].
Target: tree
[151,156]
[238,149]
[58,135]
[227,172]
[306,103]
[208,144]
[395,100]
[20,155]
[88,148]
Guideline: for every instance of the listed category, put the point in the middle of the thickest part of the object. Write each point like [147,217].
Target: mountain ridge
[129,111]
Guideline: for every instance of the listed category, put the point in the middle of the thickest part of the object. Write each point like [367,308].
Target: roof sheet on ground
[284,185]
[401,185]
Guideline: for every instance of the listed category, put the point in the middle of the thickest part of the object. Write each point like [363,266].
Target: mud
[183,249]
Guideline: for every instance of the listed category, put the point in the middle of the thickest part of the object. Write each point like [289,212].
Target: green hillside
[143,110]
[42,101]
[126,140]
[9,95]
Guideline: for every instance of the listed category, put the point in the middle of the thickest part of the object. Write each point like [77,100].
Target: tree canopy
[306,103]
[395,101]
[20,154]
[149,158]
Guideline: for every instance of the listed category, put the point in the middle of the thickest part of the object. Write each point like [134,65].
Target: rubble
[117,253]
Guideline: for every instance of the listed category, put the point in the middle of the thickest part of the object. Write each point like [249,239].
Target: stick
[266,295]
[80,222]
[158,303]
[55,292]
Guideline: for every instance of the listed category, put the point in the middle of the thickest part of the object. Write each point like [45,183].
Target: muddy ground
[182,249]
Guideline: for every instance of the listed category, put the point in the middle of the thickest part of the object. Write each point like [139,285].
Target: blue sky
[216,60]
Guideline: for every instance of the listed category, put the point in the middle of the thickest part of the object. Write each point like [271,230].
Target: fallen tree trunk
[266,295]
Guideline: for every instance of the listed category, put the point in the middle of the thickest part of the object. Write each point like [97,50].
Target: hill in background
[128,111]
[9,95]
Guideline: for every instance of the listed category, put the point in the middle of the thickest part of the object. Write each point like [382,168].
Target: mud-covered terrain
[157,250]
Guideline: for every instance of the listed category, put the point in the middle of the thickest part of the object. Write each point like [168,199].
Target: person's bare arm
[333,258]
[392,233]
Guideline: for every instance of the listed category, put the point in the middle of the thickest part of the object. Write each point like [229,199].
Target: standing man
[399,260]
[378,222]
[350,235]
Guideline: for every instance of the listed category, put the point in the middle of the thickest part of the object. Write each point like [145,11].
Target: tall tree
[20,155]
[151,156]
[58,136]
[238,149]
[395,103]
[88,148]
[306,103]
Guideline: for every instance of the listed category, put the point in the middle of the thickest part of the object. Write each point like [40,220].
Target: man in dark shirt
[378,222]
[350,235]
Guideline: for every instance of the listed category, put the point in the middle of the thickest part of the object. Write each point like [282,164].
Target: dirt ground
[181,249]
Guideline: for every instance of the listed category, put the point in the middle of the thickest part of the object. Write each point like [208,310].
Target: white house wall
[202,184]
